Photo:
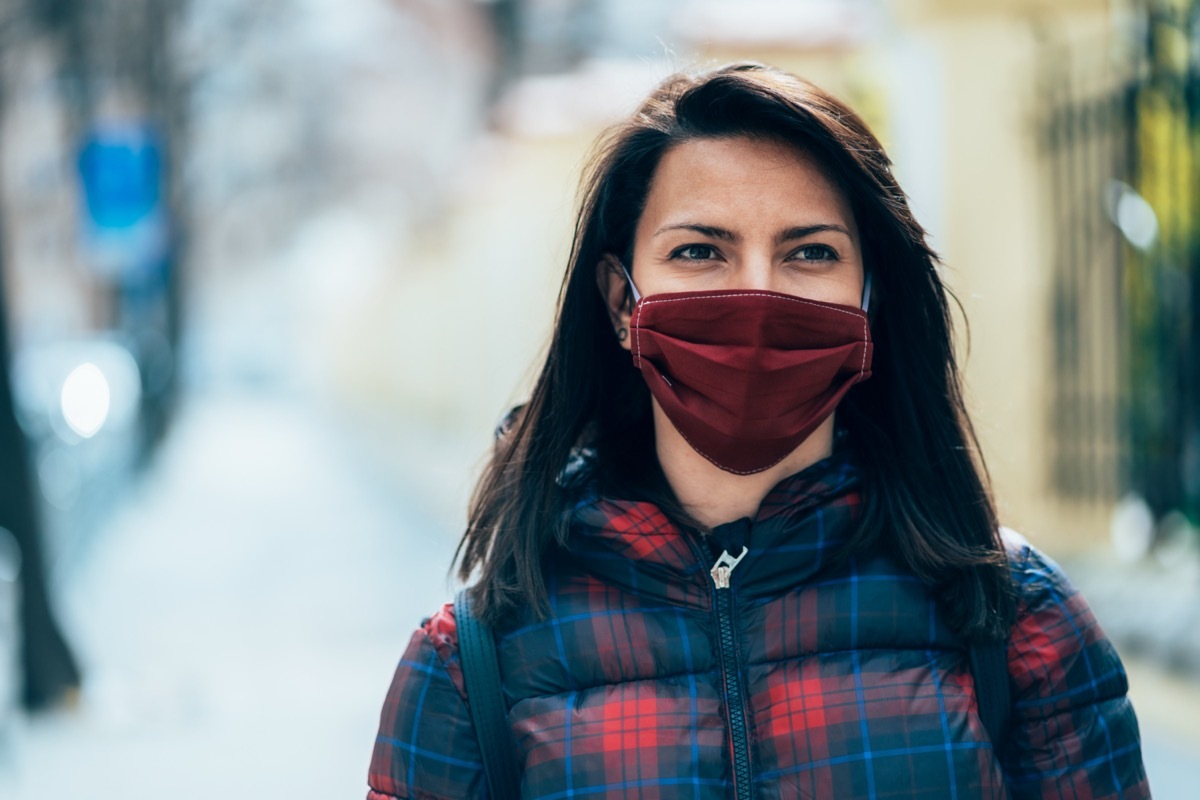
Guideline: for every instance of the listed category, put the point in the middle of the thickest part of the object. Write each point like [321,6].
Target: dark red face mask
[745,376]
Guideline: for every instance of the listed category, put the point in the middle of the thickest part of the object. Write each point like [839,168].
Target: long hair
[925,495]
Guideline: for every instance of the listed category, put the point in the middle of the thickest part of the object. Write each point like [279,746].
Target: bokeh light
[86,400]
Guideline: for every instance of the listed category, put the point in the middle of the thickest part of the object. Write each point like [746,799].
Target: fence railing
[1121,144]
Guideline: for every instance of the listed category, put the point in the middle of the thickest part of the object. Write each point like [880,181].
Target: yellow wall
[946,9]
[998,247]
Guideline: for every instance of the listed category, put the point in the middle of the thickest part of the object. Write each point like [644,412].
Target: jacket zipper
[739,739]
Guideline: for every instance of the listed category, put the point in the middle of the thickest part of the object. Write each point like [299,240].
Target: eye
[815,252]
[694,252]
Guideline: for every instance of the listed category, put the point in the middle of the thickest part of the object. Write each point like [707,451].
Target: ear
[618,299]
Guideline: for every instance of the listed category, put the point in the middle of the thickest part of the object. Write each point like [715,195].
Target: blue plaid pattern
[854,687]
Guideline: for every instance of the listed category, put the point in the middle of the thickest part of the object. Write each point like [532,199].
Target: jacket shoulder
[1075,732]
[426,747]
[1055,640]
[1042,586]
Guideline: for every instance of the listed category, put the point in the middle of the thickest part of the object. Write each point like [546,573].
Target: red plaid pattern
[853,686]
[1070,692]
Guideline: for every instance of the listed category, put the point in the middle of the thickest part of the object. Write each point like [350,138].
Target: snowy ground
[240,618]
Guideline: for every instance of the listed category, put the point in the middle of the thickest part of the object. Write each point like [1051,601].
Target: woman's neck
[713,496]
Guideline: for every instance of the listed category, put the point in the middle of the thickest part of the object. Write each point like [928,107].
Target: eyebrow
[798,232]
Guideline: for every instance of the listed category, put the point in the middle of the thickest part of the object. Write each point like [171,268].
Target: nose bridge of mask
[866,296]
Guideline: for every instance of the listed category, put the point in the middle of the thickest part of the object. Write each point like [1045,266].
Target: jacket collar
[634,545]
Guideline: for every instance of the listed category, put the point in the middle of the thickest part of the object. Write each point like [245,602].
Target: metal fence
[1120,137]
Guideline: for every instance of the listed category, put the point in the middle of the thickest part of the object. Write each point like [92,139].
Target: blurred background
[272,270]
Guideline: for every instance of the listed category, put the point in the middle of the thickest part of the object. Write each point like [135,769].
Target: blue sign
[125,227]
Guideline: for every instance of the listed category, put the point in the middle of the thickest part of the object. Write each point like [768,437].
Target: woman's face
[741,213]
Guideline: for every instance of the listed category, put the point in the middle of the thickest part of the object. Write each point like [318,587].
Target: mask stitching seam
[637,326]
[645,302]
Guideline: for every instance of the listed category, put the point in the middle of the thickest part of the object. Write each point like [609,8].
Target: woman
[718,560]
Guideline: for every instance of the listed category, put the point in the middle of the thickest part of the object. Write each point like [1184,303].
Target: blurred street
[259,531]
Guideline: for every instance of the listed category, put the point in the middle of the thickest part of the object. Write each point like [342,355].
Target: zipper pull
[724,567]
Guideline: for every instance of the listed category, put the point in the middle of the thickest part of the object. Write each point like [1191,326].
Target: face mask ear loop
[628,277]
[866,298]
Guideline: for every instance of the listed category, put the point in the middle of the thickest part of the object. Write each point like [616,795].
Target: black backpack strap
[989,665]
[481,673]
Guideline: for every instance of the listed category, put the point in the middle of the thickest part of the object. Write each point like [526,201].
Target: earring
[622,334]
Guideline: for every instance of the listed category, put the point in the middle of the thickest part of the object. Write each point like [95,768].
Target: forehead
[754,180]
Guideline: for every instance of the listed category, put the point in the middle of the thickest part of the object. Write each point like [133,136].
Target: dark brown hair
[925,494]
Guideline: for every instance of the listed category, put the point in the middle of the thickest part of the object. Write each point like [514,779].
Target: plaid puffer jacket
[796,681]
